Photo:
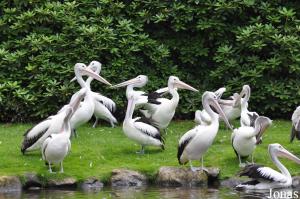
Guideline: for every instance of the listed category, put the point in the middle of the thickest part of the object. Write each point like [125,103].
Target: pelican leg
[202,163]
[61,167]
[241,164]
[74,133]
[50,169]
[96,122]
[142,151]
[252,161]
[165,131]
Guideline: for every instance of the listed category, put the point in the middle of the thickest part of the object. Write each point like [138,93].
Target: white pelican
[34,137]
[247,118]
[245,139]
[201,116]
[162,114]
[86,109]
[137,130]
[295,132]
[194,143]
[103,105]
[57,145]
[265,177]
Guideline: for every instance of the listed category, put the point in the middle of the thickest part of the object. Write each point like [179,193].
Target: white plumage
[139,131]
[244,139]
[194,143]
[35,136]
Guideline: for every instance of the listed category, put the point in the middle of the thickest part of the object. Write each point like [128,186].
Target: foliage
[97,151]
[206,43]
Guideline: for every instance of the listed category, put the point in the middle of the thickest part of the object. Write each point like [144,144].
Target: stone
[296,182]
[127,178]
[174,176]
[91,185]
[10,184]
[232,182]
[31,181]
[62,183]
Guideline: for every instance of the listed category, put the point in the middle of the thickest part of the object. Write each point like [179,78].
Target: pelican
[57,145]
[137,130]
[161,114]
[137,82]
[295,124]
[201,116]
[103,105]
[265,177]
[34,137]
[87,107]
[245,139]
[247,118]
[194,143]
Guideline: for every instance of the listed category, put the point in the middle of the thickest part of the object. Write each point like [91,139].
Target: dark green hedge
[206,43]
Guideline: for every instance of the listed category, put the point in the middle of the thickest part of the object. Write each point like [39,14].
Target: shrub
[210,44]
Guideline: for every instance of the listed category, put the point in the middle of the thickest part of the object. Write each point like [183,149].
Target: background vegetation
[206,43]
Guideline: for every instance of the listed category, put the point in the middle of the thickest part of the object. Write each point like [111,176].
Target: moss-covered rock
[174,176]
[10,183]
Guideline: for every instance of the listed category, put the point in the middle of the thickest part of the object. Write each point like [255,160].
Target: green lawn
[97,151]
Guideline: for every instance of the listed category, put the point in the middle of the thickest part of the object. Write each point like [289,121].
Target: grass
[96,152]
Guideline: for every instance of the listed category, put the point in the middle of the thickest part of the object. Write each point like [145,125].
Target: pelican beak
[182,85]
[89,72]
[72,80]
[126,83]
[285,153]
[216,105]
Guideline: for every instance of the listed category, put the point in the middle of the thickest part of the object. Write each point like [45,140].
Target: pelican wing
[232,139]
[152,97]
[198,117]
[252,116]
[184,141]
[295,132]
[262,173]
[148,129]
[35,133]
[110,105]
[220,92]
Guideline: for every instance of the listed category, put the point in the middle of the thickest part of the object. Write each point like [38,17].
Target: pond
[149,192]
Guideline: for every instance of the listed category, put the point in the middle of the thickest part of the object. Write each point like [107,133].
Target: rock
[10,184]
[62,183]
[91,185]
[296,182]
[124,177]
[31,181]
[213,176]
[174,176]
[232,182]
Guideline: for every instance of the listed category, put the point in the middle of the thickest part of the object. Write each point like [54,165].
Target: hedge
[207,44]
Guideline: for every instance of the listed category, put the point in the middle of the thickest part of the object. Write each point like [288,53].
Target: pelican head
[95,66]
[82,69]
[210,99]
[174,82]
[280,151]
[138,81]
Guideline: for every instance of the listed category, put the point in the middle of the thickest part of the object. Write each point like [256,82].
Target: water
[149,192]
